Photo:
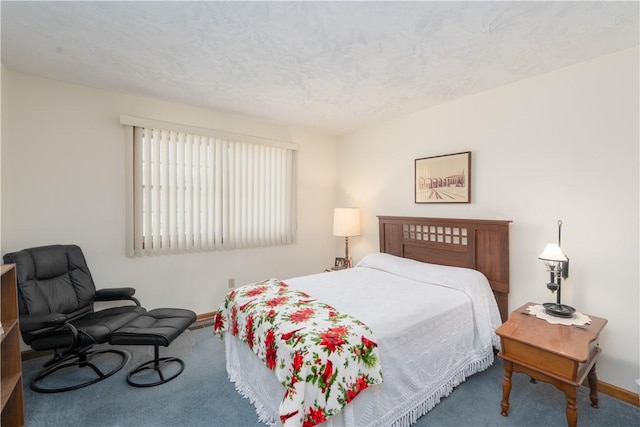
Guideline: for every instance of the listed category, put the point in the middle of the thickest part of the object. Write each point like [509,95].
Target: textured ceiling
[329,66]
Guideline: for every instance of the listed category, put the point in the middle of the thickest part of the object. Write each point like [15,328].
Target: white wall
[63,181]
[560,146]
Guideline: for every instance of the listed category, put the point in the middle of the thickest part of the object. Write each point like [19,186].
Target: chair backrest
[53,279]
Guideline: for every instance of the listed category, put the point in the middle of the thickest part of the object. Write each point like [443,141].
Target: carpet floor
[203,396]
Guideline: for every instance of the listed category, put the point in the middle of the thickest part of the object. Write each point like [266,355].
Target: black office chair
[56,296]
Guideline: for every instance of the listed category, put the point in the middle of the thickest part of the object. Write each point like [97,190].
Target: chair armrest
[33,322]
[116,294]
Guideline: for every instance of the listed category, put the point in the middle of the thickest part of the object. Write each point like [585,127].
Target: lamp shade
[552,252]
[346,222]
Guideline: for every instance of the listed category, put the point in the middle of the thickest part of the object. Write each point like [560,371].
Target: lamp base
[558,310]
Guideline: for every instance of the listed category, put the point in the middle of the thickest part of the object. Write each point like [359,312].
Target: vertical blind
[202,193]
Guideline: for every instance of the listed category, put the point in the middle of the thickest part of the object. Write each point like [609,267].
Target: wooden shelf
[8,328]
[10,364]
[8,386]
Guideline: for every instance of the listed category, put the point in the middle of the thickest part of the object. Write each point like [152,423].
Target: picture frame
[443,179]
[340,263]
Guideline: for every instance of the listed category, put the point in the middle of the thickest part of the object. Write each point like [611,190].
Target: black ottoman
[158,327]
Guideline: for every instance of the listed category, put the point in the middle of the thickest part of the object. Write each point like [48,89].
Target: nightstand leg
[572,409]
[506,387]
[593,386]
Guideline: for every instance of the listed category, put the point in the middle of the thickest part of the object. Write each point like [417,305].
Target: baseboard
[619,393]
[33,354]
[202,321]
[205,316]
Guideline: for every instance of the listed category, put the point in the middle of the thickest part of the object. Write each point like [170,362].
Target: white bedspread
[430,337]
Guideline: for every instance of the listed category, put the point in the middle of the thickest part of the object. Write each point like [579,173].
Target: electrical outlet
[232,283]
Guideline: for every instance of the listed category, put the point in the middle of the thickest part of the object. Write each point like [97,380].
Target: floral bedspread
[322,357]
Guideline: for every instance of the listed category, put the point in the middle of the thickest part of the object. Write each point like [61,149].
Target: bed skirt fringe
[428,402]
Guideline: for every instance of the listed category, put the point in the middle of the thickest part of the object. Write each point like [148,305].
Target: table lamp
[346,222]
[558,267]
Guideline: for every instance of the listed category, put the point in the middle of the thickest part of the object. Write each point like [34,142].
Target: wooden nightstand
[557,354]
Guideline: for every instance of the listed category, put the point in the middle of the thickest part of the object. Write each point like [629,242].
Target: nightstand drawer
[538,359]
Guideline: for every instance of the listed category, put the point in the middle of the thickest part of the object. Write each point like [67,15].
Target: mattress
[434,327]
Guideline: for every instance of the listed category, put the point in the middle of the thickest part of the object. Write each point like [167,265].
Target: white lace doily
[577,318]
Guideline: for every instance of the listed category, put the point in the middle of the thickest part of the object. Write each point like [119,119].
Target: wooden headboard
[482,245]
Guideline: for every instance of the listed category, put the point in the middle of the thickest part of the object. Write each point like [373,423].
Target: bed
[429,301]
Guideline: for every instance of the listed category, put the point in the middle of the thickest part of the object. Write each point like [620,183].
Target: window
[194,192]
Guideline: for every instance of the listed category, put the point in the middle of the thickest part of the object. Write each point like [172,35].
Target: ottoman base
[156,365]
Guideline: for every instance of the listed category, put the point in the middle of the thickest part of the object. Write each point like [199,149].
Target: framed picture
[341,263]
[443,179]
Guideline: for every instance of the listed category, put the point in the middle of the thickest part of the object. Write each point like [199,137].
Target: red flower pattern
[333,338]
[234,321]
[356,388]
[249,331]
[219,322]
[298,360]
[301,315]
[361,383]
[315,416]
[288,335]
[271,353]
[256,291]
[367,342]
[285,417]
[274,302]
[244,306]
[326,375]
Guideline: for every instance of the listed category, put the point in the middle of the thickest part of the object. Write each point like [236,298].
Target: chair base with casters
[79,359]
[158,327]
